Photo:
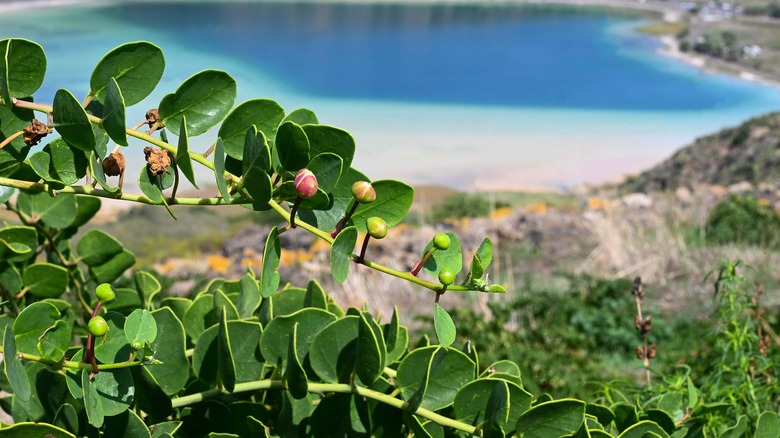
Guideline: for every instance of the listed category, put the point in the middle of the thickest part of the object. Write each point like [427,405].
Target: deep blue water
[551,57]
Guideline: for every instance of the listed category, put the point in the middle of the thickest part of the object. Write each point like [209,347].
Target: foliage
[461,205]
[743,219]
[246,357]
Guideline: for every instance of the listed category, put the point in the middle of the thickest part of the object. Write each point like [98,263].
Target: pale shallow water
[462,96]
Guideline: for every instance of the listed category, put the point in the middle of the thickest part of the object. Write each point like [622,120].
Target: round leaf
[137,68]
[71,121]
[97,247]
[393,201]
[45,280]
[553,418]
[265,114]
[22,68]
[445,328]
[205,99]
[444,379]
[341,253]
[140,326]
[114,113]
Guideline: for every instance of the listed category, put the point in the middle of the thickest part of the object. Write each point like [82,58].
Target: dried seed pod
[637,323]
[651,351]
[648,324]
[640,353]
[34,132]
[638,290]
[114,164]
[157,159]
[152,117]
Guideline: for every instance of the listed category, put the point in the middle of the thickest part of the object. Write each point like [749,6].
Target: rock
[637,200]
[683,195]
[741,187]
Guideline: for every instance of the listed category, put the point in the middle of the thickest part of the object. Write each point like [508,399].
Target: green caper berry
[105,293]
[446,277]
[441,241]
[97,326]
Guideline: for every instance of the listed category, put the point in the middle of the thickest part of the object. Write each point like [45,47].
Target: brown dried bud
[651,352]
[637,323]
[640,353]
[648,325]
[152,117]
[638,290]
[35,132]
[114,164]
[157,159]
[305,184]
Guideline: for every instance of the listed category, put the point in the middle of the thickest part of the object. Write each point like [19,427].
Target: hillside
[749,152]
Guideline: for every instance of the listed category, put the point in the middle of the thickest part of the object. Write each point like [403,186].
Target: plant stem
[363,249]
[75,365]
[11,138]
[324,388]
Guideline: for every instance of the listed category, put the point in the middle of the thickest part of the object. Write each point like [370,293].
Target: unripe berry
[364,192]
[441,241]
[137,345]
[446,277]
[97,326]
[377,227]
[105,293]
[305,184]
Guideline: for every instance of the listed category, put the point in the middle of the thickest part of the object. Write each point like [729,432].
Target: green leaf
[257,155]
[497,408]
[126,425]
[200,316]
[45,280]
[13,120]
[114,113]
[471,402]
[327,168]
[396,342]
[324,138]
[153,185]
[59,163]
[445,328]
[91,400]
[450,258]
[114,347]
[393,201]
[315,296]
[553,418]
[291,147]
[443,377]
[31,323]
[97,247]
[294,376]
[249,295]
[166,427]
[333,350]
[603,414]
[10,279]
[768,425]
[66,418]
[22,68]
[693,394]
[115,389]
[55,341]
[264,114]
[302,116]
[275,339]
[71,121]
[341,253]
[15,239]
[481,261]
[225,363]
[113,268]
[269,280]
[148,287]
[183,159]
[219,169]
[14,368]
[244,344]
[204,99]
[136,67]
[28,430]
[140,326]
[737,431]
[54,211]
[169,348]
[369,362]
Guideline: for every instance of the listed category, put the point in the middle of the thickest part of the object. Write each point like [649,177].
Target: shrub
[743,219]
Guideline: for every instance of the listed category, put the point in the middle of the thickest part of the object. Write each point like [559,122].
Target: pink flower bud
[305,184]
[363,192]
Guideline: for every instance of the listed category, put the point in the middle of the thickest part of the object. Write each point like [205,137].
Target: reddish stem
[294,210]
[343,222]
[362,255]
[420,263]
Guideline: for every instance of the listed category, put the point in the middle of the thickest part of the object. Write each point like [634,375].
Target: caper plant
[93,349]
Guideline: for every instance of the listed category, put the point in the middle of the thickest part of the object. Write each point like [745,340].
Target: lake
[462,95]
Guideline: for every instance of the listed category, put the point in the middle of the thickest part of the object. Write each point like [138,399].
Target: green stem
[75,365]
[325,388]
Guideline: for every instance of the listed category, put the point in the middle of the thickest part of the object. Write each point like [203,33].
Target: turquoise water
[566,94]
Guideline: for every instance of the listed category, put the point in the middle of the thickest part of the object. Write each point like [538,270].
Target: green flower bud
[105,293]
[137,345]
[364,192]
[97,326]
[446,277]
[377,227]
[305,184]
[441,241]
